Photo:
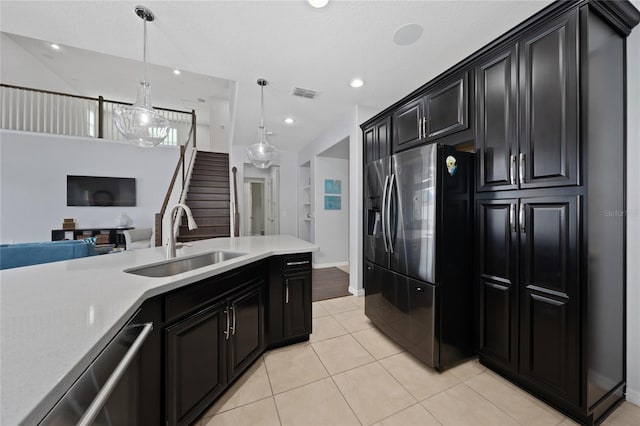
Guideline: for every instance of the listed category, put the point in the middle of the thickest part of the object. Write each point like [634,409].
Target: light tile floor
[349,373]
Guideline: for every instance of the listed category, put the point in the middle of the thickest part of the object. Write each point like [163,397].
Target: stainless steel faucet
[171,244]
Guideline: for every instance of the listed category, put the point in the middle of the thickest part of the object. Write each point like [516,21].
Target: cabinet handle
[233,326]
[522,219]
[101,398]
[521,171]
[512,217]
[512,170]
[424,127]
[302,262]
[226,332]
[286,291]
[420,127]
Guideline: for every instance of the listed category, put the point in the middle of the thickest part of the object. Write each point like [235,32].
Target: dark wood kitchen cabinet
[547,102]
[290,299]
[377,140]
[540,235]
[533,82]
[196,363]
[214,331]
[441,111]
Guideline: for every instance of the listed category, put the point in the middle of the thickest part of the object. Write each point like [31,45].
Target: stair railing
[177,192]
[44,111]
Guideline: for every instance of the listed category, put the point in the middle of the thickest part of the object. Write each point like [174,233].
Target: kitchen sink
[183,264]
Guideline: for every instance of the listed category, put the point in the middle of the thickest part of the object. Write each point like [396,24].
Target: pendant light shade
[262,154]
[139,123]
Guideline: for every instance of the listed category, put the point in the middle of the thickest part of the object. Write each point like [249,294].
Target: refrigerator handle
[393,179]
[383,208]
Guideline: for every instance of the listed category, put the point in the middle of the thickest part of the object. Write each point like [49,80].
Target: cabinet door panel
[447,109]
[407,124]
[496,139]
[497,260]
[195,363]
[549,283]
[370,153]
[548,92]
[247,330]
[297,305]
[383,138]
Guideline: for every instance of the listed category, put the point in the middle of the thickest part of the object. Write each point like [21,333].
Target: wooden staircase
[208,197]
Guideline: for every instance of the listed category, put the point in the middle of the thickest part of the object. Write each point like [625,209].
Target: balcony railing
[43,111]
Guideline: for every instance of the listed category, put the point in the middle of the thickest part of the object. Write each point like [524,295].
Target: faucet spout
[171,244]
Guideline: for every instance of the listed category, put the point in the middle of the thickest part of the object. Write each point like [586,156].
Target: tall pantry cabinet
[544,108]
[550,227]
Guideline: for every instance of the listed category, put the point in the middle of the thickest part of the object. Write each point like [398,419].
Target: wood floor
[329,283]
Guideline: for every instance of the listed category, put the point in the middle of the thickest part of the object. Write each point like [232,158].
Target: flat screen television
[100,191]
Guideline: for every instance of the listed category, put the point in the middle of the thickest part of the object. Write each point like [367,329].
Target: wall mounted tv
[100,191]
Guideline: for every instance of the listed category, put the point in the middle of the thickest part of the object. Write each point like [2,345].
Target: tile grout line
[490,402]
[338,387]
[273,395]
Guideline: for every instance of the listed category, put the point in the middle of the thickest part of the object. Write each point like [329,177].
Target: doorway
[261,201]
[254,203]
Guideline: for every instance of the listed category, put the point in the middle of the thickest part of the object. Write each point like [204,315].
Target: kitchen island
[57,317]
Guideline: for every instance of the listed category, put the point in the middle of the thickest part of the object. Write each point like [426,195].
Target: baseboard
[329,265]
[356,292]
[633,396]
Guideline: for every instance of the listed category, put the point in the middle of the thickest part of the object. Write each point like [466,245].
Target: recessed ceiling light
[55,46]
[289,120]
[176,72]
[357,82]
[407,34]
[318,3]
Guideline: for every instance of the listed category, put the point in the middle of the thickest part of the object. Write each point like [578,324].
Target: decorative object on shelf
[68,224]
[332,186]
[139,123]
[262,154]
[123,220]
[332,202]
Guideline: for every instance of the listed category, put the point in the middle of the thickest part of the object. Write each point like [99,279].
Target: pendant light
[262,154]
[139,123]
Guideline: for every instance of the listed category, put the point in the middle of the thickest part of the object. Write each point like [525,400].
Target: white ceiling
[287,42]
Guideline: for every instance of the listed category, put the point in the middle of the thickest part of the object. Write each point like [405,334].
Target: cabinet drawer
[296,262]
[194,297]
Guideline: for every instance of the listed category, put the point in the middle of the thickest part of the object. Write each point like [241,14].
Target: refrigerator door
[376,247]
[412,211]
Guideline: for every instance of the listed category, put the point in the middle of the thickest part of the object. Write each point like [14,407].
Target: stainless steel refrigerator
[419,251]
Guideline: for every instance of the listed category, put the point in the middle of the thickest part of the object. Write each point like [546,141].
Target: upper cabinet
[442,111]
[527,132]
[377,140]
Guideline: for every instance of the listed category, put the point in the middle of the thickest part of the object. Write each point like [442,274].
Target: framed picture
[332,202]
[332,186]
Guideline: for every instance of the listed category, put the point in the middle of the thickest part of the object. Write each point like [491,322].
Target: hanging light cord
[144,51]
[262,114]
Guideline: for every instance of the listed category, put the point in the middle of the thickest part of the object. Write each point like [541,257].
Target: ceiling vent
[305,93]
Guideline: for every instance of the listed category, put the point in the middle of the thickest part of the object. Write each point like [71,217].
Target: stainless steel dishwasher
[109,390]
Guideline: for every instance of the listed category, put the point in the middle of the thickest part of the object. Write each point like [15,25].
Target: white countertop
[56,317]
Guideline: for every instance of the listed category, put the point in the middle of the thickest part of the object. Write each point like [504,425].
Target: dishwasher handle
[101,398]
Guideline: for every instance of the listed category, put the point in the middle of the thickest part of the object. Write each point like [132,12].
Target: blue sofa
[25,254]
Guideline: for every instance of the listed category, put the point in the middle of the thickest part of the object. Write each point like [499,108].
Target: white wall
[20,68]
[33,173]
[633,216]
[219,124]
[288,187]
[332,226]
[349,127]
